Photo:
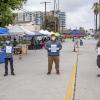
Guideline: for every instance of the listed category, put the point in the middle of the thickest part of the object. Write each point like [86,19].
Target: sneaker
[13,74]
[48,73]
[57,72]
[73,51]
[98,75]
[5,74]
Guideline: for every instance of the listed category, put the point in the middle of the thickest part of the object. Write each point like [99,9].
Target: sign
[53,48]
[8,49]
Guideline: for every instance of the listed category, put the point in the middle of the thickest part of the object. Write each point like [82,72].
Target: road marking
[71,82]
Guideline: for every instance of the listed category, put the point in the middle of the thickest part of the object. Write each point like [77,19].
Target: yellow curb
[71,82]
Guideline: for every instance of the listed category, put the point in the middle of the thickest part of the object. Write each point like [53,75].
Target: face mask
[7,42]
[53,38]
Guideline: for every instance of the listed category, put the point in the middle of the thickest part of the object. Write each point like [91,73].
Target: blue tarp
[3,30]
[75,32]
[2,57]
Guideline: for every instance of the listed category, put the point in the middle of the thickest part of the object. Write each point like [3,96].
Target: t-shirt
[98,50]
[76,42]
[8,51]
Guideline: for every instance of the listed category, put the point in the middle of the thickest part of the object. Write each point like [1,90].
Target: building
[37,18]
[62,18]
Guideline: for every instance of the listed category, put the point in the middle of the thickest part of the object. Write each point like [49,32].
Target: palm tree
[96,10]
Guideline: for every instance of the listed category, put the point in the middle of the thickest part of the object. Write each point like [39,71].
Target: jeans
[11,65]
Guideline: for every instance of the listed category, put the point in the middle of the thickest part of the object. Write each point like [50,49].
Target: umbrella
[52,32]
[57,34]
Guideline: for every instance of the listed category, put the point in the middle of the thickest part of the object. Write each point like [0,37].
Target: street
[32,83]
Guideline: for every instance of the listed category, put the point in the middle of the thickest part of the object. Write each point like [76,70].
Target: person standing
[76,43]
[14,45]
[81,42]
[8,58]
[98,56]
[53,47]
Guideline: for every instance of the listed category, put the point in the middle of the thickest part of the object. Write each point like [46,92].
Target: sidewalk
[88,84]
[31,81]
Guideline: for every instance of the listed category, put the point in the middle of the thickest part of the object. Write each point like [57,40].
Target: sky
[78,12]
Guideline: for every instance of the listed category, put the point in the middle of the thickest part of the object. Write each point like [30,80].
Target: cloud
[79,12]
[83,17]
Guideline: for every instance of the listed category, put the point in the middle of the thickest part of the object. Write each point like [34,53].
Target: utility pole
[45,17]
[54,6]
[55,25]
[56,14]
[62,27]
[58,5]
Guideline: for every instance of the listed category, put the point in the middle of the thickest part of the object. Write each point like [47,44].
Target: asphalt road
[32,83]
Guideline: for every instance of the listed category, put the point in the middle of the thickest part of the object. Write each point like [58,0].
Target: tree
[96,10]
[6,7]
[51,23]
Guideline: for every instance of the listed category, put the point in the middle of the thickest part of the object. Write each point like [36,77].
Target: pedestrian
[8,58]
[81,42]
[53,47]
[14,45]
[76,43]
[98,56]
[73,39]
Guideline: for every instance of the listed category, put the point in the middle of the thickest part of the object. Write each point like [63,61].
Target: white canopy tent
[27,32]
[45,32]
[19,30]
[16,30]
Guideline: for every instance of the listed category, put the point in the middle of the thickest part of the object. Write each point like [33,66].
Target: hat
[53,34]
